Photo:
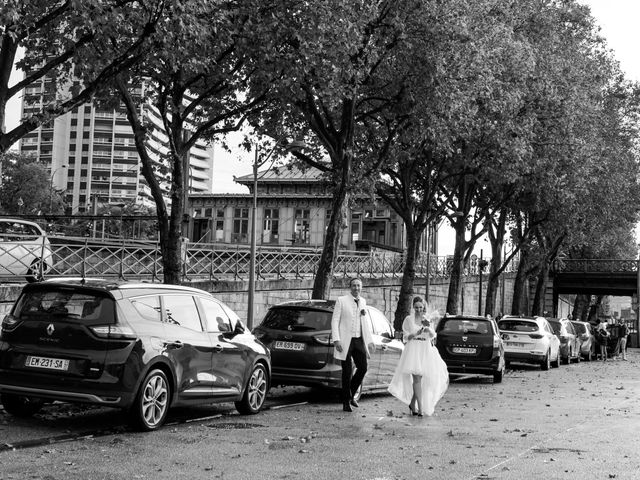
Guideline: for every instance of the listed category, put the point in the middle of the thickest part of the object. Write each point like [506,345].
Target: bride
[421,377]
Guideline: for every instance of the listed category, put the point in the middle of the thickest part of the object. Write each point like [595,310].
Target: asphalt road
[579,421]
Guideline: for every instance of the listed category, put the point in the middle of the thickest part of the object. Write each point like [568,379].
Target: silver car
[25,250]
[530,340]
[584,331]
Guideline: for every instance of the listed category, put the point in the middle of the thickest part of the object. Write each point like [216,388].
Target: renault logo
[50,329]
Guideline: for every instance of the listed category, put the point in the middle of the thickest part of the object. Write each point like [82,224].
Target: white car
[24,249]
[529,340]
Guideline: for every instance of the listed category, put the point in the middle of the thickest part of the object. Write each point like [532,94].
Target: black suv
[298,334]
[140,347]
[471,344]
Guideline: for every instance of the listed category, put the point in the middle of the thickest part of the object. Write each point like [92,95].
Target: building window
[270,225]
[355,231]
[301,231]
[219,225]
[240,233]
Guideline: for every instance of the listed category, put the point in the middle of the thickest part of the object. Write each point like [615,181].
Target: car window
[570,328]
[216,319]
[68,304]
[557,327]
[461,325]
[181,310]
[379,322]
[579,328]
[297,319]
[148,307]
[518,325]
[15,231]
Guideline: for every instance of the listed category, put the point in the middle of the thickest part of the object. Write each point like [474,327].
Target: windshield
[65,304]
[580,328]
[295,319]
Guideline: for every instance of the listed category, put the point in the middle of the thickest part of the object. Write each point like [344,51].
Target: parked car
[298,334]
[24,249]
[140,347]
[530,340]
[569,341]
[470,344]
[584,331]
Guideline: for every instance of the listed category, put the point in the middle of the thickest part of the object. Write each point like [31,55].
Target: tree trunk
[408,278]
[324,276]
[541,287]
[519,306]
[493,282]
[457,269]
[581,308]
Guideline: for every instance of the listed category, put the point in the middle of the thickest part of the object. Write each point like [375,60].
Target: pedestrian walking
[352,341]
[421,377]
[621,347]
[602,337]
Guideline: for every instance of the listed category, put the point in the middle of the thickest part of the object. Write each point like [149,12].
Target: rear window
[580,328]
[518,325]
[297,319]
[65,304]
[458,325]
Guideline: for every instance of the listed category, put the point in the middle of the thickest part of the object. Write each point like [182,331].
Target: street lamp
[53,173]
[257,162]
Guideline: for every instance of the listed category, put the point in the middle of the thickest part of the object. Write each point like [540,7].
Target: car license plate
[50,363]
[297,346]
[466,350]
[515,344]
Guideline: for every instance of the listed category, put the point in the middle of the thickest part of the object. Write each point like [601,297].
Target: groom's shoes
[353,403]
[346,406]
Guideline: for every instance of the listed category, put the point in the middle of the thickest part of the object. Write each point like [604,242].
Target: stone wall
[381,293]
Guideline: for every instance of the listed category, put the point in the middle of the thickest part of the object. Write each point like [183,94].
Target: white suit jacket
[342,323]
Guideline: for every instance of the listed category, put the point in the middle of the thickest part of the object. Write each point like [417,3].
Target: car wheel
[554,363]
[546,363]
[21,406]
[497,375]
[151,405]
[255,393]
[33,273]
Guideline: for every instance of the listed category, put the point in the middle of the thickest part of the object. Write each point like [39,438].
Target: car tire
[21,406]
[498,375]
[554,363]
[151,405]
[33,273]
[255,393]
[546,362]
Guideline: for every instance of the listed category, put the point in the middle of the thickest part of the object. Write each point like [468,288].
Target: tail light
[323,338]
[9,322]
[496,345]
[537,336]
[113,331]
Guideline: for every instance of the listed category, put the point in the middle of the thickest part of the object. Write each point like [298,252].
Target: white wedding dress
[420,357]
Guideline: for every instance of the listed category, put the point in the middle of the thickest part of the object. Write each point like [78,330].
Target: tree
[321,60]
[193,91]
[26,187]
[78,46]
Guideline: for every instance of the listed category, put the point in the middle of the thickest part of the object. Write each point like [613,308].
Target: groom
[352,340]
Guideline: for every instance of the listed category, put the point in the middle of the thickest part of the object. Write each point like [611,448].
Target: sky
[618,20]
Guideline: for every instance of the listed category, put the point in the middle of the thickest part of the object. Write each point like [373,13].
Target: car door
[229,363]
[387,352]
[188,346]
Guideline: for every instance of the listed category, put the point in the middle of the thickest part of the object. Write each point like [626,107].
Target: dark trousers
[358,353]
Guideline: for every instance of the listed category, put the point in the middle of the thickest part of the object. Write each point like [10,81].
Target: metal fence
[126,259]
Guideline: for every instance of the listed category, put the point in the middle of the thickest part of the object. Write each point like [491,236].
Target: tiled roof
[285,173]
